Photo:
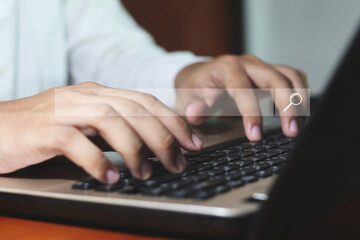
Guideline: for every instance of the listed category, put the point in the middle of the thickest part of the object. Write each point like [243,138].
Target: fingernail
[256,133]
[112,176]
[196,140]
[146,170]
[180,163]
[293,126]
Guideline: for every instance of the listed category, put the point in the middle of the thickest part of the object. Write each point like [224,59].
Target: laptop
[277,188]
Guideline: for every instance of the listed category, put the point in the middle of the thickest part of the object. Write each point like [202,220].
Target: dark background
[205,27]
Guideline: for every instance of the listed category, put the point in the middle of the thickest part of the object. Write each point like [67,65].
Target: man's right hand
[59,121]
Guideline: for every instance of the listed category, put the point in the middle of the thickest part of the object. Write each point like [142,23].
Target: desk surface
[13,228]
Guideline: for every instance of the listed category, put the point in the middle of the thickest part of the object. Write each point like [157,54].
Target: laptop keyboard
[217,170]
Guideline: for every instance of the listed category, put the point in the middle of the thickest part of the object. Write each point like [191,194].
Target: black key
[282,142]
[261,156]
[205,167]
[155,191]
[108,187]
[235,148]
[235,184]
[218,162]
[189,172]
[159,172]
[195,178]
[250,144]
[264,173]
[222,189]
[132,181]
[257,149]
[129,190]
[163,179]
[284,149]
[229,177]
[214,154]
[86,185]
[278,135]
[248,179]
[246,171]
[229,158]
[230,167]
[284,155]
[242,163]
[245,153]
[177,184]
[197,167]
[206,185]
[225,151]
[199,159]
[125,174]
[202,195]
[190,155]
[276,160]
[183,193]
[269,145]
[261,166]
[265,155]
[189,164]
[241,172]
[275,151]
[277,169]
[253,159]
[224,177]
[214,172]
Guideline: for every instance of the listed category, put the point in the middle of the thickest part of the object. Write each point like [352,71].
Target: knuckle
[251,57]
[229,59]
[150,99]
[134,148]
[64,137]
[132,108]
[181,124]
[168,142]
[104,110]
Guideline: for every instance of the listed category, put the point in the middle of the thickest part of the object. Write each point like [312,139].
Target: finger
[299,81]
[266,76]
[239,87]
[105,120]
[196,112]
[202,105]
[78,148]
[155,135]
[174,123]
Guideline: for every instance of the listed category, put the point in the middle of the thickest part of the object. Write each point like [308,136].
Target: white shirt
[44,43]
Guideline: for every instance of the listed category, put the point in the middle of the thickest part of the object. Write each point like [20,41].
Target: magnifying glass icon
[295,100]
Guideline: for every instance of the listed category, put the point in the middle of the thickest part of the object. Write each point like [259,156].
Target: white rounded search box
[256,102]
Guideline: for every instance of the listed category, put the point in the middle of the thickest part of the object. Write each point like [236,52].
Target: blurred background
[309,34]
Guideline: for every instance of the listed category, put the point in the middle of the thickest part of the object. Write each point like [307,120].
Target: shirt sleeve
[107,46]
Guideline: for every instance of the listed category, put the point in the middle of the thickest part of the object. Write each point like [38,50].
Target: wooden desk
[13,228]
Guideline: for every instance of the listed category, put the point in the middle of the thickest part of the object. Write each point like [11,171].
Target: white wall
[307,34]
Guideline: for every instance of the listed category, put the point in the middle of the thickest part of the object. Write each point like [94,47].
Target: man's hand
[232,73]
[58,121]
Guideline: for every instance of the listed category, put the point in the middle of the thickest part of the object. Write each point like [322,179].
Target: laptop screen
[323,174]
